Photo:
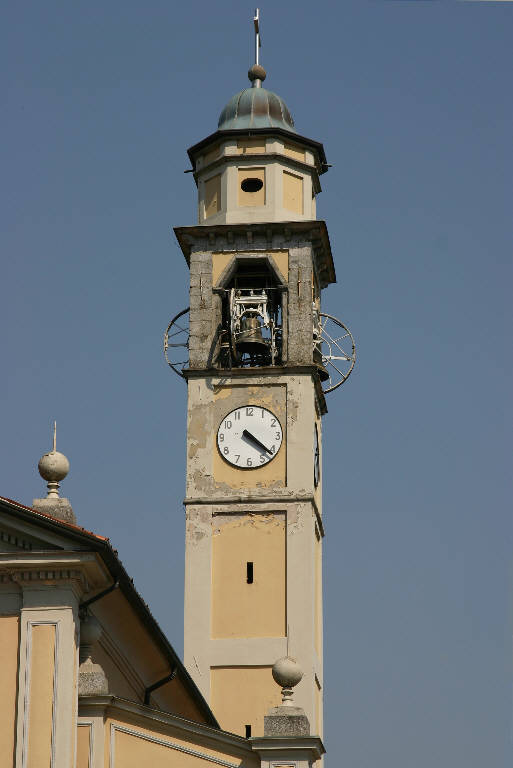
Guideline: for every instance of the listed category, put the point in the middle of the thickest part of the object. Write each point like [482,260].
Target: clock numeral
[249,411]
[262,458]
[237,457]
[273,422]
[272,448]
[221,438]
[228,424]
[263,413]
[226,450]
[236,415]
[249,463]
[278,436]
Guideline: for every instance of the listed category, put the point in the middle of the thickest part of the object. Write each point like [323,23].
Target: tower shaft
[253,583]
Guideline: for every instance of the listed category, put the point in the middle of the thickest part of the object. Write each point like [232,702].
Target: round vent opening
[251,185]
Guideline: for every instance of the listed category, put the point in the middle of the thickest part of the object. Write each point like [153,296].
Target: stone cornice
[251,498]
[251,373]
[263,236]
[83,570]
[291,746]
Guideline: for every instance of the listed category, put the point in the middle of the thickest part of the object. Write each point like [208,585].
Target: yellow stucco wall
[281,259]
[254,146]
[137,746]
[246,610]
[83,746]
[241,696]
[270,475]
[292,150]
[292,192]
[251,198]
[9,639]
[219,263]
[42,667]
[212,195]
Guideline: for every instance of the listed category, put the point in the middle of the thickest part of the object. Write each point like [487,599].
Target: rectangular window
[248,731]
[249,573]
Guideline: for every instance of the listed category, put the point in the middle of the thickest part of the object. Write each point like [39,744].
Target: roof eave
[316,146]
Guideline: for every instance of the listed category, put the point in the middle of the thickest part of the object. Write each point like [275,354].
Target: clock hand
[256,441]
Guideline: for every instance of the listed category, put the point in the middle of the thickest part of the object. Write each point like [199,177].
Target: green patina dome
[256,107]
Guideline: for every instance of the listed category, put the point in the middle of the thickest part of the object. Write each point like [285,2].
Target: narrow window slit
[249,573]
[248,731]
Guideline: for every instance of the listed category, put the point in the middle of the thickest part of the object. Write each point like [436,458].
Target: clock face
[317,458]
[249,437]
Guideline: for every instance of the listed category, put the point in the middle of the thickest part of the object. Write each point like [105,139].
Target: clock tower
[261,358]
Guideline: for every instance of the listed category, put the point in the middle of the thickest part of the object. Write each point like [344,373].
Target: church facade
[88,679]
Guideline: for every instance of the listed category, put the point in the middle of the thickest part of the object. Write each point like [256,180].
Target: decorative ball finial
[53,467]
[257,73]
[287,673]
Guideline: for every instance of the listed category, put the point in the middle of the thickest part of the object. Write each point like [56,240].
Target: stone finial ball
[257,72]
[287,672]
[90,631]
[53,466]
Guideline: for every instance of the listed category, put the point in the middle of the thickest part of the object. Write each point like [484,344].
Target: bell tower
[258,356]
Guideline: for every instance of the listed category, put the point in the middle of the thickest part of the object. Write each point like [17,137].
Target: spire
[258,42]
[53,467]
[257,74]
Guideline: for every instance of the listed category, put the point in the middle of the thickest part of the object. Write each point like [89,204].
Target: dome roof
[256,108]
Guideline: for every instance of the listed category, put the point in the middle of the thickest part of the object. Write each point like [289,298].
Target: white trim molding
[26,694]
[87,724]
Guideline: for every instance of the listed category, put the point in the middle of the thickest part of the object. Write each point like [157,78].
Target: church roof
[255,108]
[80,539]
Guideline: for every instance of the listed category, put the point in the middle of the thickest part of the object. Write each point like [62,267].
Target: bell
[250,339]
[321,368]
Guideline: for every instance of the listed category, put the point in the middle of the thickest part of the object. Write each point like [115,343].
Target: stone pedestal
[286,721]
[91,680]
[56,507]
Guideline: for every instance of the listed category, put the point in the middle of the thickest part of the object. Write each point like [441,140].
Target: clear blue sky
[413,103]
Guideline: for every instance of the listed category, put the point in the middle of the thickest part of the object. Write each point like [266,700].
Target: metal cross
[258,43]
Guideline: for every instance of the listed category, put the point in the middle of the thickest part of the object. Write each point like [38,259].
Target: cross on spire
[258,42]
